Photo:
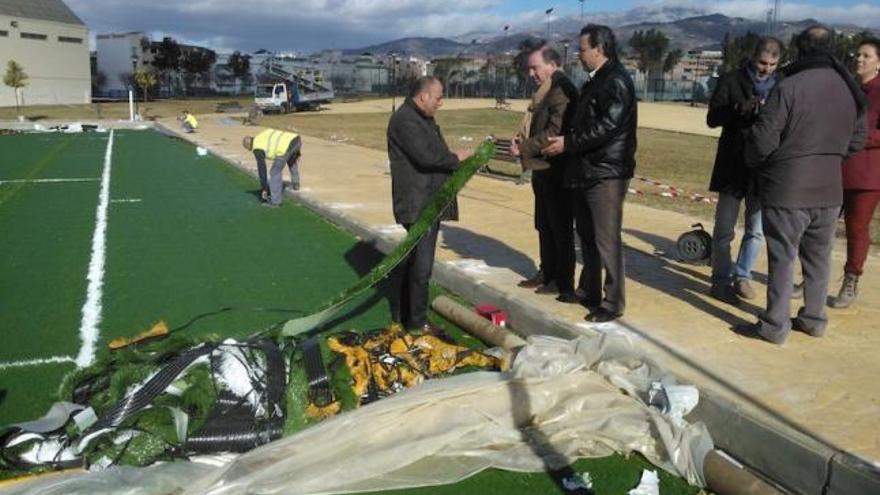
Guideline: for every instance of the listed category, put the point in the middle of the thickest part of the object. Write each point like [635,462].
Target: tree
[736,50]
[651,48]
[240,65]
[167,59]
[145,80]
[196,63]
[16,79]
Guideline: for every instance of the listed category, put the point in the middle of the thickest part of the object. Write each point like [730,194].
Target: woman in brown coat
[861,177]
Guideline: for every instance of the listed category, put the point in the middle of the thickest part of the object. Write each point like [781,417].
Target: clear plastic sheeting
[555,405]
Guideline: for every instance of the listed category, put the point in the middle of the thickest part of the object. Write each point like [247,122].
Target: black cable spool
[695,246]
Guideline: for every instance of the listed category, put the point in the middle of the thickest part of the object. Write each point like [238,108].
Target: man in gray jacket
[420,164]
[813,119]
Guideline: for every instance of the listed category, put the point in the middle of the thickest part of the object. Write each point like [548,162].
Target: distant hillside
[686,28]
[431,47]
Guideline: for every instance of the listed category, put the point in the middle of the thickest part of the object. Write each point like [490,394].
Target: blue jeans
[726,216]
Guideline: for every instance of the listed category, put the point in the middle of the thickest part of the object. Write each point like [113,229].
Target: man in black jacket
[601,149]
[420,164]
[813,119]
[739,96]
[551,112]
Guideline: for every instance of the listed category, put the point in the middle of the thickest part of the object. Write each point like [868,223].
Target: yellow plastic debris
[157,331]
[393,359]
[319,413]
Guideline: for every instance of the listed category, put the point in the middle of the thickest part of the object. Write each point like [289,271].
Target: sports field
[100,243]
[104,234]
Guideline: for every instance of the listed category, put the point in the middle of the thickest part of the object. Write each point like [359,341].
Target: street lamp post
[393,87]
[504,98]
[565,43]
[547,13]
[134,61]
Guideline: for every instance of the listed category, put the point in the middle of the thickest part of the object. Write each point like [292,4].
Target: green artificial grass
[613,475]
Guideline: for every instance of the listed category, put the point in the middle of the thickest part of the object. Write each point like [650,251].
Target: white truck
[289,90]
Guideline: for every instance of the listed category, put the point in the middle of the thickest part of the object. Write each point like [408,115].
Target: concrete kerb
[11,125]
[782,453]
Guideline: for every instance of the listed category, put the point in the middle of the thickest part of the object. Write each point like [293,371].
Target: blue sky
[310,25]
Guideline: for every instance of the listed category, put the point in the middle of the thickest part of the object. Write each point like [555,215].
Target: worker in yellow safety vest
[282,148]
[188,121]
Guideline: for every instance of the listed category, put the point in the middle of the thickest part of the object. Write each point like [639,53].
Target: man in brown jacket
[813,119]
[549,115]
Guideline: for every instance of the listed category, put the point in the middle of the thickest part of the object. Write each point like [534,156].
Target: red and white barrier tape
[670,191]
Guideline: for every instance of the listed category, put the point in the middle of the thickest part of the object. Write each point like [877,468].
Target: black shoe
[547,289]
[724,293]
[753,331]
[534,282]
[800,326]
[568,298]
[602,315]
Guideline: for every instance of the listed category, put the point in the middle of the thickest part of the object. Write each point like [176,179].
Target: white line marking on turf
[126,200]
[37,362]
[49,181]
[91,310]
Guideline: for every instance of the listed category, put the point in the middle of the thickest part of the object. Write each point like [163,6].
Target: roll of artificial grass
[428,216]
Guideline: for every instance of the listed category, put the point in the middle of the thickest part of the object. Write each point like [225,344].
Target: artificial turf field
[184,236]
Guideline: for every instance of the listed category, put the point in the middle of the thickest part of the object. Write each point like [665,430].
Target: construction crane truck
[288,89]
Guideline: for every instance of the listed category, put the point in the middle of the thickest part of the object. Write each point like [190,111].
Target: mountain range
[687,28]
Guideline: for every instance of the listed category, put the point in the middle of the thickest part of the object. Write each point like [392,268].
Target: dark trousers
[598,211]
[409,282]
[554,221]
[858,208]
[793,232]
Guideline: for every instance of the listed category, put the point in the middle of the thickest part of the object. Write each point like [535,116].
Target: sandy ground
[826,386]
[663,116]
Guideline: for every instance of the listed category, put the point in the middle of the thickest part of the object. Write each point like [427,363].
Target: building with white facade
[118,56]
[51,44]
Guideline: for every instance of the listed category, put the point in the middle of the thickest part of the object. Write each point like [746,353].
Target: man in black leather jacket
[601,150]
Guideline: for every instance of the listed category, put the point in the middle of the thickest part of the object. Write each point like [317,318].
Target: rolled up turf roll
[476,325]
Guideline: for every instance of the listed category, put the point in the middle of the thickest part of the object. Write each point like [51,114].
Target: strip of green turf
[613,475]
[198,241]
[46,243]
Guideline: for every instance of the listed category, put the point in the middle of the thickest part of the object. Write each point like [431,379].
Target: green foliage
[196,63]
[145,80]
[15,78]
[736,50]
[672,59]
[239,64]
[650,47]
[167,57]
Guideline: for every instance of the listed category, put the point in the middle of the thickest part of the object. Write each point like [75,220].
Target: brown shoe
[535,281]
[743,288]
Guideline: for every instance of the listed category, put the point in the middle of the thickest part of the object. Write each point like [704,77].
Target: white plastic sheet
[554,406]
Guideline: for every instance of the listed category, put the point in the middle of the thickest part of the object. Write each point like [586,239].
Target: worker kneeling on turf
[281,147]
[188,121]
